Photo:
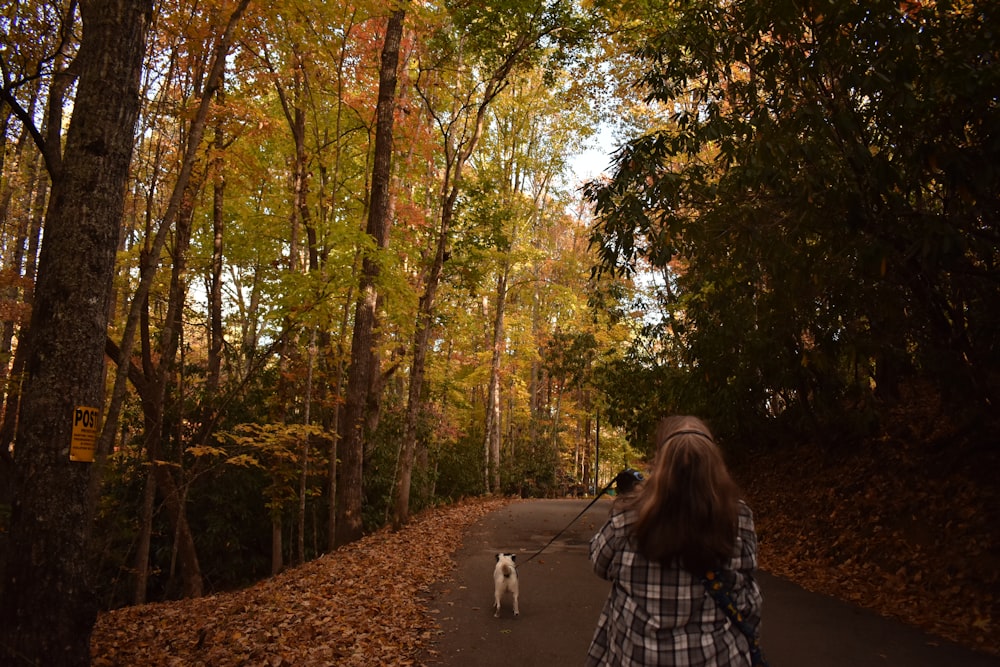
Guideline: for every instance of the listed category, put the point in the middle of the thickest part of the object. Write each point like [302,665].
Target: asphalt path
[561,599]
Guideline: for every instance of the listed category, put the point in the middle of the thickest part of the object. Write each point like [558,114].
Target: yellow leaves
[244,461]
[206,450]
[984,623]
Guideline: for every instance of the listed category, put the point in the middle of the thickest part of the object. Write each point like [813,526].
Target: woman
[659,542]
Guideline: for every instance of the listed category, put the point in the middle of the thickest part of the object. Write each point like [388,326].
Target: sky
[595,158]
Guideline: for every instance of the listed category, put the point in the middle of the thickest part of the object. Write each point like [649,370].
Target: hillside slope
[907,526]
[359,606]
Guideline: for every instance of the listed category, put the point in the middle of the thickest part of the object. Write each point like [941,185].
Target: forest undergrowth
[360,605]
[907,525]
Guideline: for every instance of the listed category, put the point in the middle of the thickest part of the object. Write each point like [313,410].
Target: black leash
[589,505]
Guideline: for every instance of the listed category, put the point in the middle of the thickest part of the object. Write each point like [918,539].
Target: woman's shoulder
[745,515]
[622,515]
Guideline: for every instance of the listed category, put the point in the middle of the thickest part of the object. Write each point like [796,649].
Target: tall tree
[47,610]
[350,450]
[811,188]
[159,362]
[530,136]
[22,207]
[484,47]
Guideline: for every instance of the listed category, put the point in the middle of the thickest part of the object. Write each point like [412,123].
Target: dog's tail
[506,570]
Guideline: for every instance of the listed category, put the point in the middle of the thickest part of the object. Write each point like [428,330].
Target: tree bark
[154,403]
[359,379]
[13,262]
[492,447]
[47,611]
[155,378]
[421,342]
[145,539]
[277,548]
[216,333]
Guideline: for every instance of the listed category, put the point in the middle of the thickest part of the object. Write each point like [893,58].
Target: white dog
[505,580]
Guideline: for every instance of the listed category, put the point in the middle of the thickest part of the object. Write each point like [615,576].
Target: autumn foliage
[359,605]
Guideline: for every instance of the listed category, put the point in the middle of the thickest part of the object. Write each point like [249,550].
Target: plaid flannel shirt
[657,615]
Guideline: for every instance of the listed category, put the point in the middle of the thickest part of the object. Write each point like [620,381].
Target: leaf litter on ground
[910,534]
[360,605]
[903,529]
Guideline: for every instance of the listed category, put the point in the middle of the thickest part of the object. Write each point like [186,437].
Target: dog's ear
[513,556]
[498,557]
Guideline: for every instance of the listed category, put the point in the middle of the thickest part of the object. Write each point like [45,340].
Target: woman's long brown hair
[688,508]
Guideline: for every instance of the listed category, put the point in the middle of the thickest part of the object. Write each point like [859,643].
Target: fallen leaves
[909,531]
[910,534]
[357,606]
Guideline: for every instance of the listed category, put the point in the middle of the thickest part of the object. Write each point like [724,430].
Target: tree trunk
[277,547]
[145,537]
[493,398]
[174,500]
[351,450]
[421,342]
[12,263]
[304,471]
[332,469]
[47,610]
[216,333]
[154,404]
[332,418]
[455,160]
[153,398]
[148,267]
[8,421]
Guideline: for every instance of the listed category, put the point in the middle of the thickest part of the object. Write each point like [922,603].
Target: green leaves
[800,180]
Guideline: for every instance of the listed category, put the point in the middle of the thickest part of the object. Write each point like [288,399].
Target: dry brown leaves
[904,531]
[357,606]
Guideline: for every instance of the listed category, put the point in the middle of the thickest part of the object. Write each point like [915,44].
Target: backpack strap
[723,596]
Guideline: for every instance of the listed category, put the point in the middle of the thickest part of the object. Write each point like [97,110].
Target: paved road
[561,599]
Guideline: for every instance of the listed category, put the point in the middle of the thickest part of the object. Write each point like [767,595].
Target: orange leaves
[357,606]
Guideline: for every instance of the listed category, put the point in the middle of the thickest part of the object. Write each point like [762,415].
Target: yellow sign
[85,429]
